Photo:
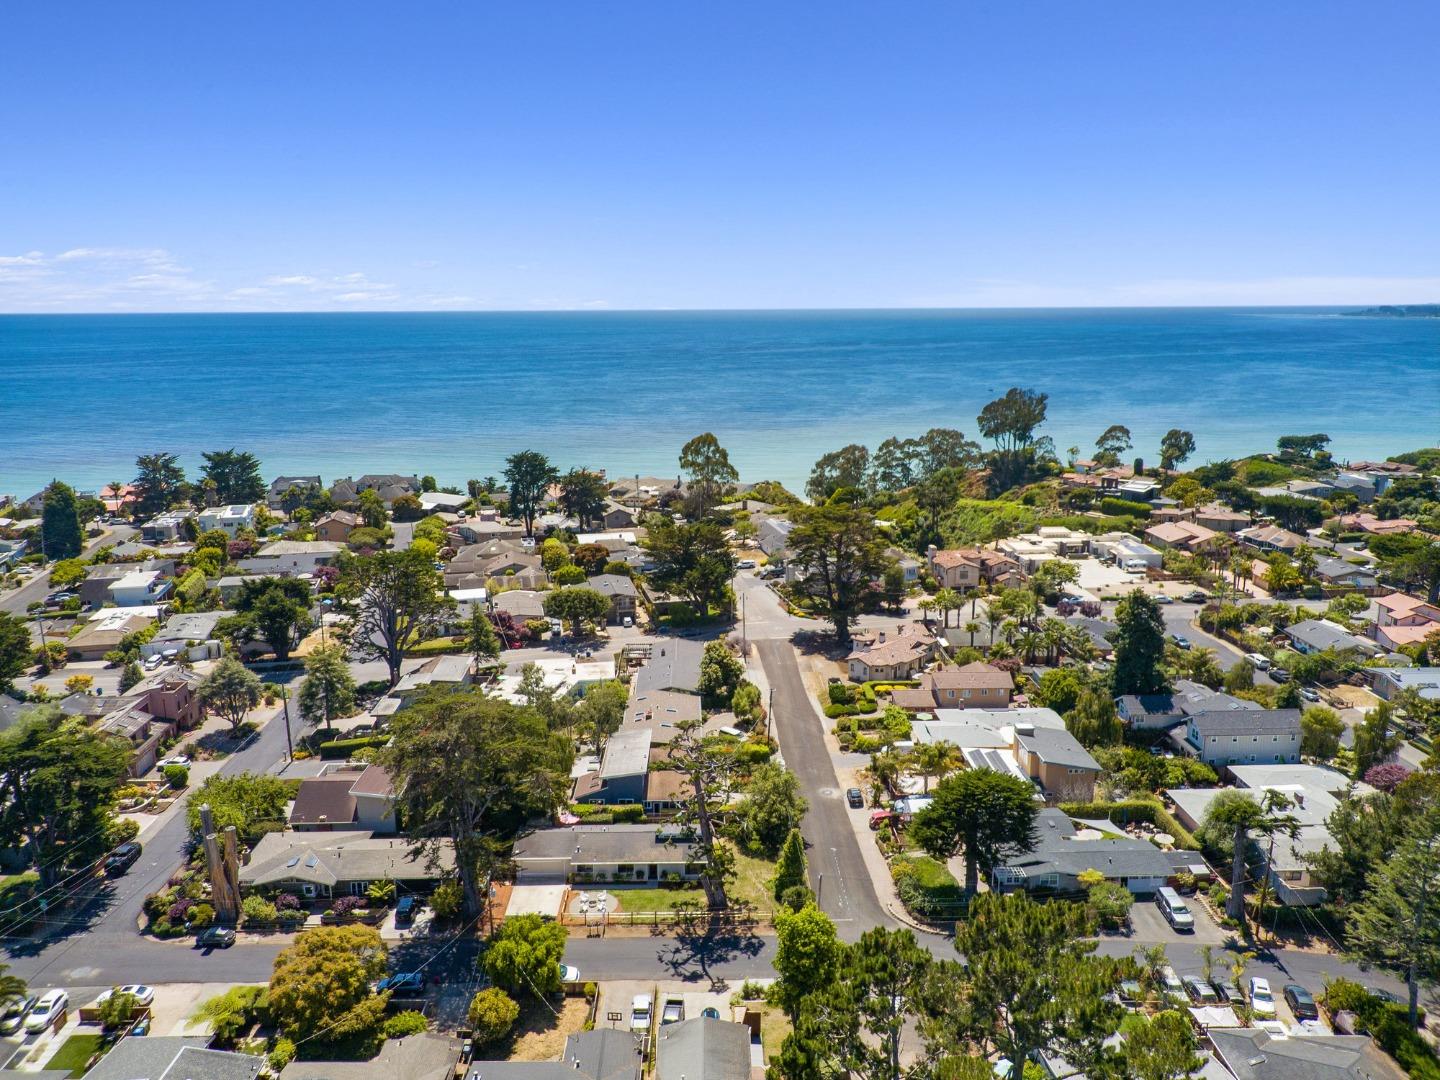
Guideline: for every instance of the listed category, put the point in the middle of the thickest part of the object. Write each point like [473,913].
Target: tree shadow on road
[702,941]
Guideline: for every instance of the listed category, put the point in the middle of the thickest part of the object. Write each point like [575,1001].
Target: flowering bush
[287,901]
[179,910]
[346,904]
[1386,777]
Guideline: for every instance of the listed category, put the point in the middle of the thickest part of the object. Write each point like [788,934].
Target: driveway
[1149,927]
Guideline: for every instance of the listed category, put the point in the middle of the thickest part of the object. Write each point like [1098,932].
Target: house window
[581,869]
[625,868]
[308,890]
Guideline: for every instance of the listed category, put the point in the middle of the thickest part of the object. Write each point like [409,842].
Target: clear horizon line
[716,310]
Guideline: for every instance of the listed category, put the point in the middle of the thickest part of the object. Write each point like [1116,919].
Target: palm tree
[934,760]
[947,600]
[994,619]
[972,628]
[1027,643]
[926,605]
[884,770]
[1053,634]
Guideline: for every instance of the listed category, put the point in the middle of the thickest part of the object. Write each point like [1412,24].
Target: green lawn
[14,887]
[752,881]
[75,1054]
[657,899]
[752,886]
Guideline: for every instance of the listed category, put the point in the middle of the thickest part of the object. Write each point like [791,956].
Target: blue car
[406,984]
[405,910]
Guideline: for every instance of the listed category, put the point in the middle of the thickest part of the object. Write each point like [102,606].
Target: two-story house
[228,519]
[968,568]
[336,527]
[1241,737]
[974,686]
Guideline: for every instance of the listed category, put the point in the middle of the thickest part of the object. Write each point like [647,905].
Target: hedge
[1124,508]
[609,813]
[926,887]
[1135,810]
[437,647]
[343,748]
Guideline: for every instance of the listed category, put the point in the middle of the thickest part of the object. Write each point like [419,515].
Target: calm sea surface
[453,394]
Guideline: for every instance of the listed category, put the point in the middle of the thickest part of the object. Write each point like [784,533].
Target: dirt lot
[540,1034]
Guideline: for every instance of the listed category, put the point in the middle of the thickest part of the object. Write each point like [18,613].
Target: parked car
[569,973]
[405,910]
[627,622]
[1162,598]
[1173,986]
[16,1010]
[142,994]
[1195,596]
[1180,641]
[46,1010]
[1200,991]
[855,798]
[216,937]
[1262,1001]
[1301,1002]
[1258,661]
[175,759]
[672,1009]
[771,572]
[122,858]
[1279,674]
[640,1012]
[745,564]
[402,984]
[1309,693]
[1228,994]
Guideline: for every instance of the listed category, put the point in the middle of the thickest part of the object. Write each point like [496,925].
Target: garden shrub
[405,1023]
[343,748]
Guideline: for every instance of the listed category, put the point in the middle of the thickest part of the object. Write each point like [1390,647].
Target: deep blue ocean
[453,394]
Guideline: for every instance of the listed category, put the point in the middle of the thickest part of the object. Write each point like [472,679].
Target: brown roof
[974,676]
[918,700]
[971,556]
[324,799]
[344,517]
[375,780]
[903,646]
[666,785]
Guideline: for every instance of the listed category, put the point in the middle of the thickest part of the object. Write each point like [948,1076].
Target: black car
[217,937]
[122,858]
[1228,994]
[1279,674]
[855,799]
[405,910]
[1301,1003]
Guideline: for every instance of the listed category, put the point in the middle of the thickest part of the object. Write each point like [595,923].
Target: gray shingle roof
[602,844]
[703,1049]
[427,1056]
[173,1057]
[1057,747]
[1320,634]
[673,665]
[1247,722]
[1254,1054]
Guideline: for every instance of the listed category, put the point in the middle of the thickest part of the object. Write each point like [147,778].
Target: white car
[745,564]
[175,759]
[1258,661]
[142,994]
[569,973]
[640,1012]
[46,1010]
[1262,1001]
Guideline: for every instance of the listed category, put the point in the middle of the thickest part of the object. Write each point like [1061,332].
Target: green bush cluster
[925,886]
[1388,1023]
[609,813]
[436,647]
[343,748]
[1147,810]
[1124,508]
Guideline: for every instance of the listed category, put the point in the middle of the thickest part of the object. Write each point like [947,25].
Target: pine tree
[790,868]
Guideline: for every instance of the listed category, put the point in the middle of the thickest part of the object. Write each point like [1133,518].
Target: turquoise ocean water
[453,394]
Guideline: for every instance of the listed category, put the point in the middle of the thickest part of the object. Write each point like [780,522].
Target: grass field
[75,1054]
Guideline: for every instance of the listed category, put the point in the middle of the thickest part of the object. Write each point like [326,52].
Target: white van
[1136,565]
[1258,661]
[1172,906]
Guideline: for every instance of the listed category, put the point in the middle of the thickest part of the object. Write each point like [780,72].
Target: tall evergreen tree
[707,464]
[1139,641]
[981,814]
[235,476]
[528,476]
[790,867]
[159,483]
[60,532]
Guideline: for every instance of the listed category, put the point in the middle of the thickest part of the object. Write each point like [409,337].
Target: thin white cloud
[1180,292]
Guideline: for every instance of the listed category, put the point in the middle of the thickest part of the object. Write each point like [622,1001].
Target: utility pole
[285,699]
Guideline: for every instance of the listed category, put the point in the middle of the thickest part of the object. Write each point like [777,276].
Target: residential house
[522,605]
[341,863]
[1187,536]
[617,516]
[232,585]
[967,568]
[105,630]
[452,671]
[1124,550]
[1264,1054]
[388,486]
[292,557]
[165,528]
[908,563]
[624,769]
[1316,635]
[228,519]
[973,686]
[661,712]
[1221,519]
[336,527]
[155,709]
[981,729]
[1061,854]
[442,502]
[473,565]
[1337,573]
[1157,712]
[703,1048]
[600,1054]
[1398,609]
[12,551]
[772,534]
[1271,538]
[621,593]
[94,591]
[1313,791]
[140,588]
[606,853]
[1390,681]
[426,1056]
[642,489]
[282,486]
[191,634]
[173,1057]
[897,655]
[674,664]
[1227,737]
[1099,632]
[1369,523]
[118,498]
[345,798]
[1056,761]
[483,527]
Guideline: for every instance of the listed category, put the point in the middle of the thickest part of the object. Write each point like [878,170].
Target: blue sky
[319,155]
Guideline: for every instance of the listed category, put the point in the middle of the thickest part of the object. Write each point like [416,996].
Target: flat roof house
[140,588]
[104,632]
[606,853]
[165,528]
[228,519]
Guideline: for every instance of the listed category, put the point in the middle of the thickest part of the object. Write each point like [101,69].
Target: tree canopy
[235,476]
[60,532]
[399,600]
[1139,642]
[982,814]
[322,983]
[707,464]
[1010,421]
[841,554]
[528,476]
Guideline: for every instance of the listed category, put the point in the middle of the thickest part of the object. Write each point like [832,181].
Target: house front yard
[75,1053]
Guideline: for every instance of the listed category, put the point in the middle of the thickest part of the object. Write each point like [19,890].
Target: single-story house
[173,1057]
[1262,1054]
[1221,518]
[617,516]
[191,634]
[892,656]
[104,632]
[165,527]
[621,593]
[437,502]
[336,527]
[1314,792]
[971,729]
[1392,638]
[1271,538]
[426,1056]
[1373,525]
[674,664]
[606,853]
[345,798]
[600,1054]
[1124,550]
[772,534]
[452,671]
[1187,536]
[1316,635]
[341,863]
[228,519]
[1338,572]
[703,1048]
[1061,855]
[1390,681]
[520,604]
[1097,630]
[292,557]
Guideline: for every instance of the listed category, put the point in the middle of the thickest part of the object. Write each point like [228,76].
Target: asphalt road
[38,587]
[838,873]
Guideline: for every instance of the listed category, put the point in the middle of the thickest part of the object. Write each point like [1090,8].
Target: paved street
[38,587]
